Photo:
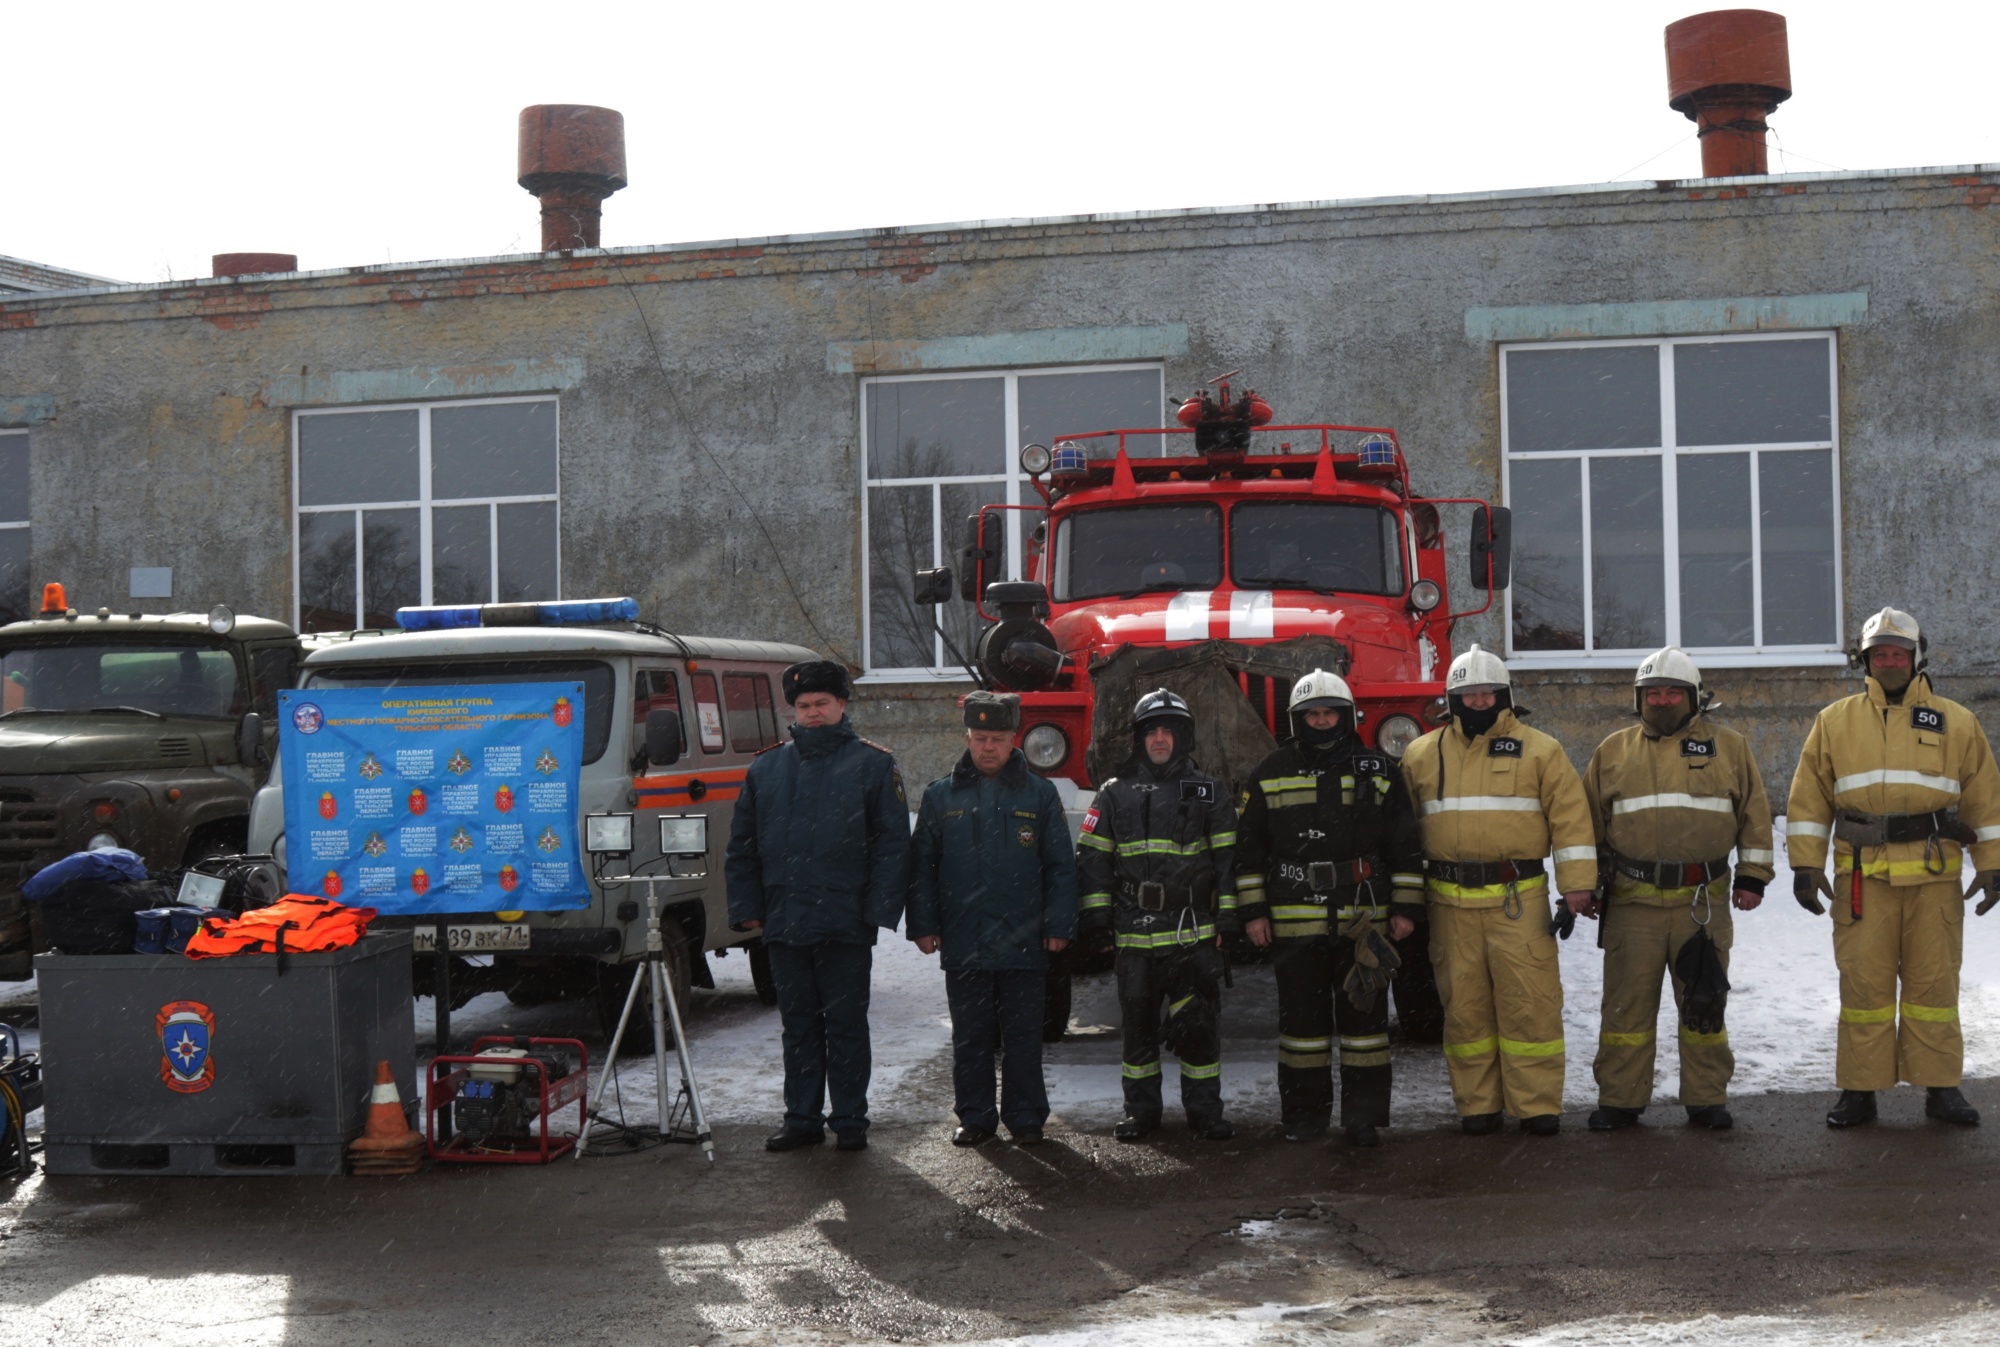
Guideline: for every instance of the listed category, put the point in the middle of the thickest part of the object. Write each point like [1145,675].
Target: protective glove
[1100,940]
[1804,885]
[1375,962]
[1987,881]
[1563,922]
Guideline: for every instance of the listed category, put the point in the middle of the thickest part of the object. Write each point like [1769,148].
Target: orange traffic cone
[388,1146]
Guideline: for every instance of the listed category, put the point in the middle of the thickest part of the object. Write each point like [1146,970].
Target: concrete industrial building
[1739,413]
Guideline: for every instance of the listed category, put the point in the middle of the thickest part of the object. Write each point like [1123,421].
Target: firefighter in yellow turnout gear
[1671,797]
[1495,799]
[1897,779]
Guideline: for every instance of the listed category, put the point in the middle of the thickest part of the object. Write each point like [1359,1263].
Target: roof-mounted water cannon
[1222,425]
[1019,651]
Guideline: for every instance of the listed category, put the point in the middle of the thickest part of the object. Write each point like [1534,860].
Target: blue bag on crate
[182,922]
[152,936]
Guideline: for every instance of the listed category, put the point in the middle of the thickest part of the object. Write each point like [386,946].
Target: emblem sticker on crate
[187,1034]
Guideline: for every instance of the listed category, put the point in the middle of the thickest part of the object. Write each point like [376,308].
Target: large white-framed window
[418,503]
[934,449]
[15,595]
[1675,491]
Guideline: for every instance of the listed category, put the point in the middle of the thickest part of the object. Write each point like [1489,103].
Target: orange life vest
[295,924]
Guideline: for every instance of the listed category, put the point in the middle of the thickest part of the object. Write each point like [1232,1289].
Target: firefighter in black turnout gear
[1329,843]
[1154,870]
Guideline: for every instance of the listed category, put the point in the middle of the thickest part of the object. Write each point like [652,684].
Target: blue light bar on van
[568,612]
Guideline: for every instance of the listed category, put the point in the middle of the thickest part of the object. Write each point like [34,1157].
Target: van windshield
[599,684]
[156,677]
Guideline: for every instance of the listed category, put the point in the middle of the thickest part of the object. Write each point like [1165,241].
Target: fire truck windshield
[1318,545]
[1138,549]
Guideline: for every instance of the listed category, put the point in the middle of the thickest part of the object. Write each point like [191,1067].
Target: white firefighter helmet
[1670,667]
[1320,688]
[1477,670]
[1891,626]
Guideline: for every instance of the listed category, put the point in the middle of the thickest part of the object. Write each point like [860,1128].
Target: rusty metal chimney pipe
[251,264]
[572,157]
[1727,70]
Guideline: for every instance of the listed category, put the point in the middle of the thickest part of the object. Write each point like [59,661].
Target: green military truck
[144,731]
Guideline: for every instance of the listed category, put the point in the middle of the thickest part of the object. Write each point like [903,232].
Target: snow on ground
[1783,1009]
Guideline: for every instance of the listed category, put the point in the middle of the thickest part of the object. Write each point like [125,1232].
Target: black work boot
[1609,1119]
[1855,1107]
[1136,1129]
[1212,1129]
[1715,1117]
[1363,1134]
[1479,1124]
[1542,1124]
[1946,1104]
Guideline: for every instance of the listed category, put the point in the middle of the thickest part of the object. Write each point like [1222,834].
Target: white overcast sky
[144,138]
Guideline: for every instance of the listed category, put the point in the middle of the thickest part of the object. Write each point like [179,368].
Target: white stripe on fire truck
[1251,615]
[1187,615]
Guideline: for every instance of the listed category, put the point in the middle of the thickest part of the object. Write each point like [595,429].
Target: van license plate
[474,939]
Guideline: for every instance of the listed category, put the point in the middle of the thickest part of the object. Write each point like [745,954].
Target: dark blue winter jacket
[819,848]
[992,869]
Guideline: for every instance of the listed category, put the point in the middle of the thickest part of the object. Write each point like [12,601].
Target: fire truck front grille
[1267,697]
[25,826]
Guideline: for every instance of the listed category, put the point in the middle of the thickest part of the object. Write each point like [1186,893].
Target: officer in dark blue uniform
[818,857]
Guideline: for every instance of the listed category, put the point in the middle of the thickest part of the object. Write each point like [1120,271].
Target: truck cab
[137,730]
[722,694]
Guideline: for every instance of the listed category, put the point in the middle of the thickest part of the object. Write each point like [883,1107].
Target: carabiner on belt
[1511,906]
[1933,845]
[1706,903]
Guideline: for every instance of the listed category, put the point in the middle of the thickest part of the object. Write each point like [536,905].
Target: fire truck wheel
[760,972]
[615,980]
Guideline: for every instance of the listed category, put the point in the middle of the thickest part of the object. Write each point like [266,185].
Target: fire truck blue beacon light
[567,612]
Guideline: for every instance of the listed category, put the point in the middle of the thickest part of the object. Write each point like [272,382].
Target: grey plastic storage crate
[272,1073]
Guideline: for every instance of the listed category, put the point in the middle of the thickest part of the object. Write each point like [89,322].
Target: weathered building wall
[710,455]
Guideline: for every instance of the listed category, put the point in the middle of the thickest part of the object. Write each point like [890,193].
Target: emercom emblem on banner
[422,800]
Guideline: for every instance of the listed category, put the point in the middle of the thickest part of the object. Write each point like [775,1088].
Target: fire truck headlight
[1034,459]
[1398,732]
[102,842]
[1424,595]
[1045,747]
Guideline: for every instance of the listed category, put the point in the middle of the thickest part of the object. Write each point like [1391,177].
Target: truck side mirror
[1492,541]
[250,739]
[933,587]
[664,737]
[979,554]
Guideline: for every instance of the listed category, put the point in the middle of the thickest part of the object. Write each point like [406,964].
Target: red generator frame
[449,1072]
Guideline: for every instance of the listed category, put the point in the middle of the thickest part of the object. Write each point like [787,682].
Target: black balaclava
[1183,729]
[1903,678]
[1330,741]
[1664,721]
[1476,723]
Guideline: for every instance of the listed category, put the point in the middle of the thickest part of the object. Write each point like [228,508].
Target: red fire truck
[1244,555]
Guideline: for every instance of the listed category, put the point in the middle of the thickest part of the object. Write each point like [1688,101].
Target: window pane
[14,592]
[707,712]
[356,457]
[654,690]
[1601,397]
[1752,392]
[14,479]
[274,668]
[961,620]
[1302,545]
[1068,404]
[1628,597]
[326,571]
[937,428]
[528,552]
[390,575]
[739,699]
[461,557]
[1140,548]
[1716,594]
[899,545]
[505,450]
[1795,500]
[1547,589]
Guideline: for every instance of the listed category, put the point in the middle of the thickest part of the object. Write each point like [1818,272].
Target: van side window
[753,721]
[654,690]
[708,711]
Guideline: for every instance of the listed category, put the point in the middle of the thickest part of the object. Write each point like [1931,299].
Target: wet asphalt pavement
[1641,1236]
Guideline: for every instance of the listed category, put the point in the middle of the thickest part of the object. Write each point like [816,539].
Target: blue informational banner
[427,800]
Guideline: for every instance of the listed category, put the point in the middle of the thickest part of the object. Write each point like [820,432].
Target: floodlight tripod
[652,973]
